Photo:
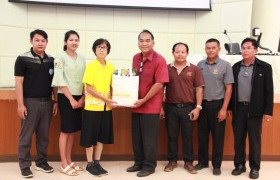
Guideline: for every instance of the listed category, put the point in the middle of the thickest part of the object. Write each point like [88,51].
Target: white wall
[119,26]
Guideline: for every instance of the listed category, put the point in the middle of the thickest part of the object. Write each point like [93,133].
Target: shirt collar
[150,57]
[215,62]
[186,65]
[252,63]
[99,64]
[36,55]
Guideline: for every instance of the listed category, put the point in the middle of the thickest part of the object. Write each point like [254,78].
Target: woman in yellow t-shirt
[97,124]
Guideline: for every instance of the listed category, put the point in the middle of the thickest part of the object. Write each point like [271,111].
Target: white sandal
[76,167]
[68,170]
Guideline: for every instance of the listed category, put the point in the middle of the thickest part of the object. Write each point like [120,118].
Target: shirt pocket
[147,73]
[217,76]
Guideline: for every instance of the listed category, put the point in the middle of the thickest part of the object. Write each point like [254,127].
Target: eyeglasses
[101,47]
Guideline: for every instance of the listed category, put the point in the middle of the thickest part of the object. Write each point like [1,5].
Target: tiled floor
[117,171]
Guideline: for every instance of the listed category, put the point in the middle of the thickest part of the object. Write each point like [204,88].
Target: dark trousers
[208,122]
[242,124]
[39,114]
[145,128]
[176,118]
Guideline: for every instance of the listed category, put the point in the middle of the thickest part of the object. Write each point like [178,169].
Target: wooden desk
[122,149]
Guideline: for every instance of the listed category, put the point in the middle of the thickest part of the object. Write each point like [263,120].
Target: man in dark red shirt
[152,70]
[184,96]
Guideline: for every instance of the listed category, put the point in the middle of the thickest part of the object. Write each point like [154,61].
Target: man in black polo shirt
[33,74]
[184,95]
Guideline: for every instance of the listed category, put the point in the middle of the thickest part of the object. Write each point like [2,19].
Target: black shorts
[97,126]
[70,118]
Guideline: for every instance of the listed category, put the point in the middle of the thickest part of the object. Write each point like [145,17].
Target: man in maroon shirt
[184,95]
[152,70]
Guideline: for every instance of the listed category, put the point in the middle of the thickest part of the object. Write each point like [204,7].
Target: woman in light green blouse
[68,74]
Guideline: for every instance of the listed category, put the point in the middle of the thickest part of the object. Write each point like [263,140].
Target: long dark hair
[67,35]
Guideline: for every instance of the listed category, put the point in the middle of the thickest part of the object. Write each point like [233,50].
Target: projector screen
[157,4]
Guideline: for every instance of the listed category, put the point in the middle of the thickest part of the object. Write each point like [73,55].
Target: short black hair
[213,40]
[146,31]
[101,41]
[184,44]
[67,35]
[40,32]
[253,41]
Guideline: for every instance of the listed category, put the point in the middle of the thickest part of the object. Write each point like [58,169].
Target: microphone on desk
[229,49]
[232,48]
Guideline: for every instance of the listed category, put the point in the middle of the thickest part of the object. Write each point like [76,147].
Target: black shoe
[100,169]
[93,170]
[238,170]
[45,167]
[134,168]
[144,173]
[26,173]
[254,174]
[200,166]
[216,171]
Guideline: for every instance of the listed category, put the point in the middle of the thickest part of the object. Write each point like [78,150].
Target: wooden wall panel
[10,125]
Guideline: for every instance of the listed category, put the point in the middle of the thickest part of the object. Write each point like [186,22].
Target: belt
[244,103]
[181,105]
[212,100]
[42,99]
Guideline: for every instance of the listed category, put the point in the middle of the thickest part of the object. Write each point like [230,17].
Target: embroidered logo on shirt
[51,71]
[215,71]
[189,73]
[59,64]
